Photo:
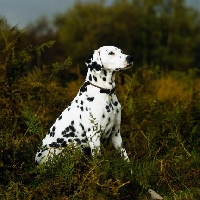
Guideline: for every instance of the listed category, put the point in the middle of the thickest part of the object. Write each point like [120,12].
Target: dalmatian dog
[94,113]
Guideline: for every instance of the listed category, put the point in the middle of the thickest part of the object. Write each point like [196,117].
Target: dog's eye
[111,53]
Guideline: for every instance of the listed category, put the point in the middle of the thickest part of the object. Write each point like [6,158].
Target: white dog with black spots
[94,113]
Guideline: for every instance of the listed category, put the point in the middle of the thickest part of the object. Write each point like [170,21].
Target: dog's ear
[94,62]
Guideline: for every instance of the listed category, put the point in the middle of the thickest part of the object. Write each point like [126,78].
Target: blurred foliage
[160,107]
[152,31]
[21,87]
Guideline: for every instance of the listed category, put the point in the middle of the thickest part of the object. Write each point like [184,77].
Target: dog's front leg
[117,142]
[94,141]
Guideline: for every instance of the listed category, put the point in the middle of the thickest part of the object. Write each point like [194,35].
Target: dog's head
[109,57]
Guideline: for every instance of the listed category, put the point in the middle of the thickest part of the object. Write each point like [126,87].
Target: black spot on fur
[64,144]
[71,134]
[116,134]
[60,117]
[67,129]
[66,135]
[81,108]
[108,132]
[80,116]
[54,128]
[95,78]
[69,140]
[84,140]
[105,72]
[72,122]
[108,108]
[81,102]
[115,103]
[72,128]
[52,134]
[113,128]
[82,126]
[90,77]
[39,154]
[104,78]
[60,140]
[78,140]
[95,66]
[90,98]
[103,116]
[84,87]
[83,134]
[89,129]
[54,144]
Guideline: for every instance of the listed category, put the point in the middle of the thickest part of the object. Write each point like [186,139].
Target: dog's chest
[100,103]
[102,107]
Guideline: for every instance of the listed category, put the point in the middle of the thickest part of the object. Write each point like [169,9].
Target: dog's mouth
[129,65]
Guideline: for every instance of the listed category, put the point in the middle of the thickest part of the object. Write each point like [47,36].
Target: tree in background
[158,32]
[180,28]
[163,32]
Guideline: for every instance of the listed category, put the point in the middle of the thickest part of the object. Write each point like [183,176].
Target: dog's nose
[129,59]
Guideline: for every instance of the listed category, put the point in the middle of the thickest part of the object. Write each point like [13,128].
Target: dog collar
[103,90]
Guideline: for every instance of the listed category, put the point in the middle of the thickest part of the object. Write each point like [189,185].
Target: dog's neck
[105,79]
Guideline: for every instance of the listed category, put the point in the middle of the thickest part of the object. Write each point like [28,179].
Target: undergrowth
[160,133]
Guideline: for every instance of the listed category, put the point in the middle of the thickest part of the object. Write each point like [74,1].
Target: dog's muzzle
[129,60]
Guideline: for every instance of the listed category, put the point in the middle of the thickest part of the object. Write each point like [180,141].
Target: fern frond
[58,66]
[40,48]
[36,84]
